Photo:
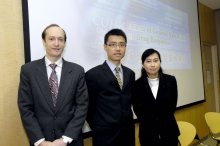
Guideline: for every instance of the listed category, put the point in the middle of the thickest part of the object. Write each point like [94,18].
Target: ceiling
[213,4]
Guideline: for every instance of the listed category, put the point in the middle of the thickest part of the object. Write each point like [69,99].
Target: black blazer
[156,115]
[36,107]
[109,106]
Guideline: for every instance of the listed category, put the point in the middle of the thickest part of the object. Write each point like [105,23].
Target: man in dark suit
[110,116]
[53,115]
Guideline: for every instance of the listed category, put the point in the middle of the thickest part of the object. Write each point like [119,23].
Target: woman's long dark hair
[147,53]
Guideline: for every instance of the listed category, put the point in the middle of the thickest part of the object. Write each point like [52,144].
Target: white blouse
[154,84]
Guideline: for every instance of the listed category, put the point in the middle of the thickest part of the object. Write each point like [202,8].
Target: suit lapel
[160,90]
[42,81]
[65,80]
[148,89]
[126,76]
[107,71]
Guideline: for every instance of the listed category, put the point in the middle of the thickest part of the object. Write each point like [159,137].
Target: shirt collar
[156,79]
[113,66]
[58,62]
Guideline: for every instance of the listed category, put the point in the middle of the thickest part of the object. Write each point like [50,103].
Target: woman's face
[152,65]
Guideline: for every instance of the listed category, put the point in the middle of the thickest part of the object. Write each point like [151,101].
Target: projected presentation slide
[148,24]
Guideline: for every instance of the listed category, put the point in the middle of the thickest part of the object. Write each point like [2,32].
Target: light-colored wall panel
[11,58]
[207,24]
[194,115]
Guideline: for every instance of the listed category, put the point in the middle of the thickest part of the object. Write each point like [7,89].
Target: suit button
[52,131]
[54,118]
[123,111]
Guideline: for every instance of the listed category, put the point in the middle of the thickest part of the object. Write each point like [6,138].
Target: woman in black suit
[154,103]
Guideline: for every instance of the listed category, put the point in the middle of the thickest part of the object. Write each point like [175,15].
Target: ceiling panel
[213,4]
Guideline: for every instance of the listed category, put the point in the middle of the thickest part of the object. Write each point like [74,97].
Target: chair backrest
[187,133]
[213,121]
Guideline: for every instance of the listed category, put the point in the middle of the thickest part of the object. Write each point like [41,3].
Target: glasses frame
[114,45]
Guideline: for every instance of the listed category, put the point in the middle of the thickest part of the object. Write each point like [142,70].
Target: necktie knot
[53,66]
[117,69]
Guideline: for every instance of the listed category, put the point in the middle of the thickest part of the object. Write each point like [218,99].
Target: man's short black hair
[117,32]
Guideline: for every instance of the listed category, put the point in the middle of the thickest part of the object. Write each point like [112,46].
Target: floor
[208,141]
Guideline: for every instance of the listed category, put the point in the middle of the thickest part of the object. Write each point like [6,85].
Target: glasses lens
[121,45]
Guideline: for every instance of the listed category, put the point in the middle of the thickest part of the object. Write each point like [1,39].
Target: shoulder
[139,86]
[170,80]
[98,67]
[93,73]
[139,82]
[169,77]
[126,69]
[31,65]
[34,62]
[73,65]
[94,69]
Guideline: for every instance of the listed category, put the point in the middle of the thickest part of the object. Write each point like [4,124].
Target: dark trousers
[159,142]
[114,137]
[126,139]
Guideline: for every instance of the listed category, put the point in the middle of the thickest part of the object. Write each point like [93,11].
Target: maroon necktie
[53,82]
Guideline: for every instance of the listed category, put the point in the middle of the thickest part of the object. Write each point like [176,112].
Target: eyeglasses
[114,45]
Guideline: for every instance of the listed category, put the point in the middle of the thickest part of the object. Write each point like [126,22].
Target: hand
[46,143]
[59,142]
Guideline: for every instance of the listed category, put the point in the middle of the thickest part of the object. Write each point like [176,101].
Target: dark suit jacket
[156,115]
[109,106]
[36,107]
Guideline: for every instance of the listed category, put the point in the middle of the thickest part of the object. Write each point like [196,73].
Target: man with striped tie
[110,87]
[52,95]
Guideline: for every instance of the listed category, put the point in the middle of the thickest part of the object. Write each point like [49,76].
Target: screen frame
[27,54]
